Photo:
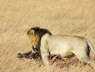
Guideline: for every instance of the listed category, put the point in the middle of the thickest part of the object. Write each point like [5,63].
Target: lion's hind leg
[83,56]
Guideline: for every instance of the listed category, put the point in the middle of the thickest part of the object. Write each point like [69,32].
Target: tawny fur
[65,45]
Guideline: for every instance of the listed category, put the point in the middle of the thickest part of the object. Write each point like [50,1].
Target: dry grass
[71,17]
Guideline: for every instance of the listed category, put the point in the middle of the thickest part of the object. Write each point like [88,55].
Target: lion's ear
[32,32]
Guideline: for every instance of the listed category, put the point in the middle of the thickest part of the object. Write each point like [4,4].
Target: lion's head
[35,34]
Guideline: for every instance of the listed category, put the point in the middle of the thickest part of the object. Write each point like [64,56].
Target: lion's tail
[91,46]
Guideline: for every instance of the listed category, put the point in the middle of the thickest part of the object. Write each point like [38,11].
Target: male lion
[61,45]
[46,45]
[34,34]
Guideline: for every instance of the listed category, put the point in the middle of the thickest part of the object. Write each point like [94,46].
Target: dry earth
[67,17]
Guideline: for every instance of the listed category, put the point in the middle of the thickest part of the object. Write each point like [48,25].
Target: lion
[62,45]
[34,34]
[50,47]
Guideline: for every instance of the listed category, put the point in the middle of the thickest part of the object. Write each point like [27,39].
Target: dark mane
[40,31]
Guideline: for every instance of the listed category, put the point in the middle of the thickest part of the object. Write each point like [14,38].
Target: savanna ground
[67,17]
